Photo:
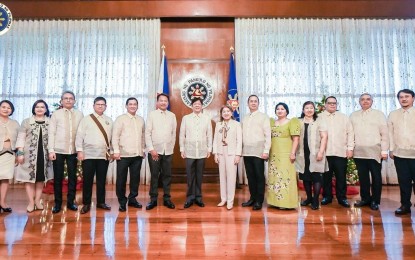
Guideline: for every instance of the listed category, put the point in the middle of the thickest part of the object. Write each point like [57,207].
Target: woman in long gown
[282,177]
[311,156]
[34,166]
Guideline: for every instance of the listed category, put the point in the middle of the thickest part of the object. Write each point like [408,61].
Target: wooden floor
[210,232]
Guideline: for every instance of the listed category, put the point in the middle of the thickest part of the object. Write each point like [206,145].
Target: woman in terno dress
[282,177]
[8,135]
[34,166]
[311,156]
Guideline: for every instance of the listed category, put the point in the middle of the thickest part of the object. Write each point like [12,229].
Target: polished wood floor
[210,232]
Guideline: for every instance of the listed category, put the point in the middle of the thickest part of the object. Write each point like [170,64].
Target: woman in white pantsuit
[227,148]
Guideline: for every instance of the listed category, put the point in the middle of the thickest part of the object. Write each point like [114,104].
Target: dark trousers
[90,168]
[194,172]
[405,168]
[364,167]
[58,168]
[134,165]
[338,166]
[163,167]
[254,167]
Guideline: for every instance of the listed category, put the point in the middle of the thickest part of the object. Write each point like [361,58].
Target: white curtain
[295,60]
[115,59]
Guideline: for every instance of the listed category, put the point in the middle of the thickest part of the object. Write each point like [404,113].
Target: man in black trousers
[93,148]
[256,142]
[160,136]
[372,144]
[401,123]
[340,145]
[128,144]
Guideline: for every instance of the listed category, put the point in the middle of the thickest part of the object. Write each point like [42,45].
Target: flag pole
[237,184]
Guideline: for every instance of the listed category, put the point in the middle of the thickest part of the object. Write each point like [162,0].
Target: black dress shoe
[135,204]
[315,206]
[326,201]
[361,203]
[403,211]
[72,206]
[122,208]
[306,202]
[344,203]
[200,203]
[257,206]
[374,206]
[85,209]
[169,204]
[151,204]
[104,206]
[187,204]
[249,203]
[56,209]
[7,210]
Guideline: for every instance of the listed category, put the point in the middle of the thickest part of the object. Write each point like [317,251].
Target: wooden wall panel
[36,9]
[197,48]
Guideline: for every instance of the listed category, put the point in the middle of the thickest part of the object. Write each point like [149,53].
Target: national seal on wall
[197,88]
[6,19]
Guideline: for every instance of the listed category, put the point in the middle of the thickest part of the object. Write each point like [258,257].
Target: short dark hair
[129,99]
[221,109]
[325,101]
[365,94]
[10,104]
[47,113]
[253,95]
[309,103]
[284,105]
[100,99]
[68,92]
[195,100]
[406,91]
[164,95]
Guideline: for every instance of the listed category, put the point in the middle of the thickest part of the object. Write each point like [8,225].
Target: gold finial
[232,49]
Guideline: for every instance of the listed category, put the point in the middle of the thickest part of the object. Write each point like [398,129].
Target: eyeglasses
[331,103]
[100,105]
[68,98]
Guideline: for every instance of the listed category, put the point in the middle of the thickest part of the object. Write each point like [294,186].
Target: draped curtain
[295,60]
[115,59]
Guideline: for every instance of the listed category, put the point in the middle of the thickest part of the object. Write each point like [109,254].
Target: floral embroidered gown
[282,177]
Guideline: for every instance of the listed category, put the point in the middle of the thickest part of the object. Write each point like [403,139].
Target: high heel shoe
[30,209]
[38,206]
[222,203]
[7,210]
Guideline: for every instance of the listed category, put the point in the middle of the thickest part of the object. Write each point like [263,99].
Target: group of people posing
[316,146]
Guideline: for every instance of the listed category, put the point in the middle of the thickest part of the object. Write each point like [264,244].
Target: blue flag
[232,99]
[163,84]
